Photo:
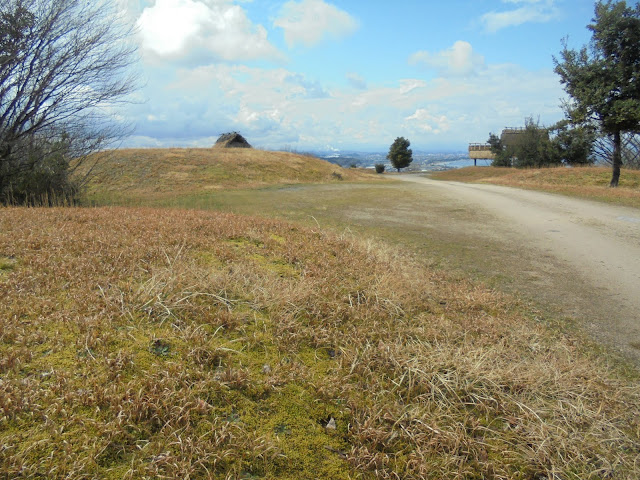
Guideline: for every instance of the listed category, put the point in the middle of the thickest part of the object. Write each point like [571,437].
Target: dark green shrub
[379,168]
[38,173]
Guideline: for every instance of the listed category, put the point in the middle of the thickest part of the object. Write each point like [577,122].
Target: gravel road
[588,253]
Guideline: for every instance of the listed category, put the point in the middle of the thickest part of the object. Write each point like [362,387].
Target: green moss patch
[7,264]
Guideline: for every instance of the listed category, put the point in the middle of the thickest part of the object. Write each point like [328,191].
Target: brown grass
[166,173]
[584,182]
[142,343]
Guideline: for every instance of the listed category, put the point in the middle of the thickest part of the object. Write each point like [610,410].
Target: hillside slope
[183,171]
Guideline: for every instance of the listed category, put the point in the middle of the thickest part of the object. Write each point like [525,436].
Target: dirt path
[582,257]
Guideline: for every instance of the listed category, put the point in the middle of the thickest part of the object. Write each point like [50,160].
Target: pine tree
[604,80]
[400,155]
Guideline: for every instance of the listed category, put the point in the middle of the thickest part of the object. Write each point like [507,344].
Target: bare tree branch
[65,66]
[603,150]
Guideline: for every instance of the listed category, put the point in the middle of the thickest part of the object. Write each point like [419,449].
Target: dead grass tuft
[142,343]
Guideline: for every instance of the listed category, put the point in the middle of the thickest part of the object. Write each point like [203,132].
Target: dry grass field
[584,182]
[167,343]
[158,174]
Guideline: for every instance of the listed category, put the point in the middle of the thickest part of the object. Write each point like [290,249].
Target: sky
[316,75]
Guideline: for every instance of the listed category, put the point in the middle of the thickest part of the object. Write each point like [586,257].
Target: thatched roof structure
[513,136]
[232,140]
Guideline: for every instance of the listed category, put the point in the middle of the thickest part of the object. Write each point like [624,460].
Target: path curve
[598,243]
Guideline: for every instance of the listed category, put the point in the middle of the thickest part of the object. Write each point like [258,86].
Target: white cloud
[458,60]
[410,84]
[310,89]
[426,122]
[356,81]
[531,11]
[308,22]
[252,119]
[175,29]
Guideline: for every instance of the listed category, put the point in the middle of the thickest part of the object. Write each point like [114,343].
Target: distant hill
[421,160]
[180,171]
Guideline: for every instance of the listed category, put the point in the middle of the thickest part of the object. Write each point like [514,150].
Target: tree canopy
[400,155]
[536,146]
[574,143]
[603,79]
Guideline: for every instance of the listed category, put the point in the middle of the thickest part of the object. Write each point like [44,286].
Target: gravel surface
[587,253]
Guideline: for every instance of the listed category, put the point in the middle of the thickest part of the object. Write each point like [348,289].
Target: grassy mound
[162,173]
[584,182]
[141,343]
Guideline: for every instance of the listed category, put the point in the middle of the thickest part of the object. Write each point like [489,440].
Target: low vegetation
[584,182]
[143,343]
[156,174]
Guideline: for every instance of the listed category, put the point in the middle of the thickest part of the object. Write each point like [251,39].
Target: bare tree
[630,150]
[65,65]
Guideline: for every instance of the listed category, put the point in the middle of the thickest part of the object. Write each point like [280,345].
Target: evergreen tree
[574,143]
[502,156]
[534,148]
[604,80]
[400,155]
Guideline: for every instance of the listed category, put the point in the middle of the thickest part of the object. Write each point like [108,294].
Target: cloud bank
[278,107]
[210,69]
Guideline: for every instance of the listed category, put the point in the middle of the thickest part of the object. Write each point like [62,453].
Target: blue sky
[347,75]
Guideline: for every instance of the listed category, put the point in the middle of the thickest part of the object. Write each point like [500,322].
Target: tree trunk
[617,159]
[398,170]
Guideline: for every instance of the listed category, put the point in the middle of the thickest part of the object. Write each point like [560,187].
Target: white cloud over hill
[212,66]
[277,107]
